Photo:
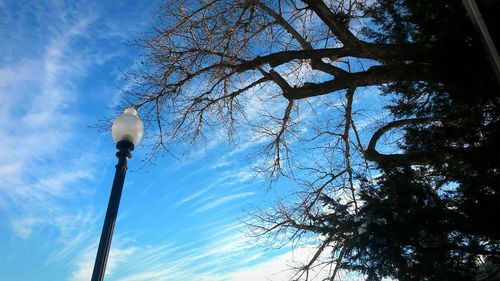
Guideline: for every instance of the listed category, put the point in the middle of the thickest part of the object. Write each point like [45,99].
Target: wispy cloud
[43,168]
[214,203]
[231,257]
[229,179]
[84,264]
[193,261]
[193,196]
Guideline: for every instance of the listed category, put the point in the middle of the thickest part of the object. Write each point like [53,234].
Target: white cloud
[38,168]
[84,265]
[227,179]
[220,201]
[229,258]
[221,250]
[193,196]
[275,269]
[281,267]
[22,227]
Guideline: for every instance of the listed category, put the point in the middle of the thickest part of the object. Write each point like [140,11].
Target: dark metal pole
[123,154]
[478,20]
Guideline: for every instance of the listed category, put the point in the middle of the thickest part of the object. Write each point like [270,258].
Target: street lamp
[127,132]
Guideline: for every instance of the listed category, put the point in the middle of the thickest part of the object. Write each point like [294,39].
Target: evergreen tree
[432,216]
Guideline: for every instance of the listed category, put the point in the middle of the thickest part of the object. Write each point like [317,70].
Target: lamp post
[127,132]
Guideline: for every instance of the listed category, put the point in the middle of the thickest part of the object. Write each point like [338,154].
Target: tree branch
[338,25]
[375,75]
[372,154]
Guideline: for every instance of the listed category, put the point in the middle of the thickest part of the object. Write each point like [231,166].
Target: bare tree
[288,72]
[212,59]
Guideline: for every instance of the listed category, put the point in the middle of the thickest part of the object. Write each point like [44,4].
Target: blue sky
[61,64]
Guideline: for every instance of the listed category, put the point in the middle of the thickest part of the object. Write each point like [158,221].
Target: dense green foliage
[435,221]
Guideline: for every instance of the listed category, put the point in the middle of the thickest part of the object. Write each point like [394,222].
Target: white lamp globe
[128,127]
